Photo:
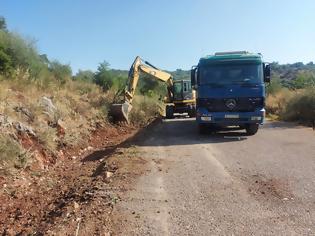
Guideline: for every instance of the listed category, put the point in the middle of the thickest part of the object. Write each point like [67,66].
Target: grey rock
[48,105]
[21,128]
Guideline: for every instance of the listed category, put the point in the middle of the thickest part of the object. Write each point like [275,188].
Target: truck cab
[230,90]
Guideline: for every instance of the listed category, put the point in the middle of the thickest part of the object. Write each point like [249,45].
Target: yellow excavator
[180,98]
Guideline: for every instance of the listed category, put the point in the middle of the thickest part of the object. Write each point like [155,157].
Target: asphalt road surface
[223,184]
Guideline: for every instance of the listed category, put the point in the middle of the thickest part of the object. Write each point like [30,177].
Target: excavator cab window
[187,86]
[182,90]
[178,90]
[187,90]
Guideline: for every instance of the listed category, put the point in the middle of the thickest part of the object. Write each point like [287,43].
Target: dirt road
[225,184]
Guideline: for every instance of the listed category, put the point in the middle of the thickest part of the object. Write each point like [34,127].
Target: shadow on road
[168,133]
[176,132]
[184,132]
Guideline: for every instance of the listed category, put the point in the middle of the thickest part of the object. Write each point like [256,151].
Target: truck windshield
[224,74]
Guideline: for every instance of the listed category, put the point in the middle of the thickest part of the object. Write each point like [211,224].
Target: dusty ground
[169,180]
[76,194]
[225,184]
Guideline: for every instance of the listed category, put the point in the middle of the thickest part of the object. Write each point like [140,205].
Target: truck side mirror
[267,72]
[193,76]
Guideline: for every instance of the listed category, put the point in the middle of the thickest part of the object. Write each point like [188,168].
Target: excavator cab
[182,90]
[183,99]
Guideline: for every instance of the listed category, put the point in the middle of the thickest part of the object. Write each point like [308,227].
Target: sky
[170,34]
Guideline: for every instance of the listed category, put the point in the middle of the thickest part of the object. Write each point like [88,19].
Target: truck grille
[231,104]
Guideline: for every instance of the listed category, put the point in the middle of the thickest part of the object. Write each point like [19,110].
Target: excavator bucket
[120,112]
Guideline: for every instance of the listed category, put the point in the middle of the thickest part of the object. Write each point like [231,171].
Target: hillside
[287,73]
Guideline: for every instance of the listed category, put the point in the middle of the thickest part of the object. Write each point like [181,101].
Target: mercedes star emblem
[230,103]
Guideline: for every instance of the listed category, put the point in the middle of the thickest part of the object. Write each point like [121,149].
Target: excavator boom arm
[137,67]
[120,111]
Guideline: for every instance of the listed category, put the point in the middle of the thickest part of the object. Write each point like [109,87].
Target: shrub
[5,62]
[301,107]
[107,79]
[304,79]
[144,110]
[11,154]
[274,86]
[277,101]
[61,72]
[84,75]
[103,76]
[19,54]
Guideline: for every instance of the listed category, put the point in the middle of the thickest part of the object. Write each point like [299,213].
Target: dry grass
[11,155]
[144,110]
[289,105]
[79,106]
[276,103]
[301,107]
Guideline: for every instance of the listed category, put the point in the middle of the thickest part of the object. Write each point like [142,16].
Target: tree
[5,62]
[103,77]
[84,75]
[60,71]
[148,85]
[305,79]
[3,24]
[44,58]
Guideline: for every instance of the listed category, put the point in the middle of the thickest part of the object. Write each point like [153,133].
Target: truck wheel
[251,129]
[203,128]
[192,112]
[169,112]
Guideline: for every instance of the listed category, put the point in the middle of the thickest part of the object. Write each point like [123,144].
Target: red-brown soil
[76,193]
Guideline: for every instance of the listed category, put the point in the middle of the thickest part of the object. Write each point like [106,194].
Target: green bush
[149,86]
[103,76]
[5,62]
[84,75]
[61,72]
[301,107]
[274,87]
[17,53]
[304,79]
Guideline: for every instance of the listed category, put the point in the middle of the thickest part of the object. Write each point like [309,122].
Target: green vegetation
[301,107]
[84,75]
[291,94]
[44,108]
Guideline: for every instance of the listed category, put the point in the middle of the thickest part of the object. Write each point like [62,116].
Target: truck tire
[251,129]
[169,112]
[192,111]
[203,129]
